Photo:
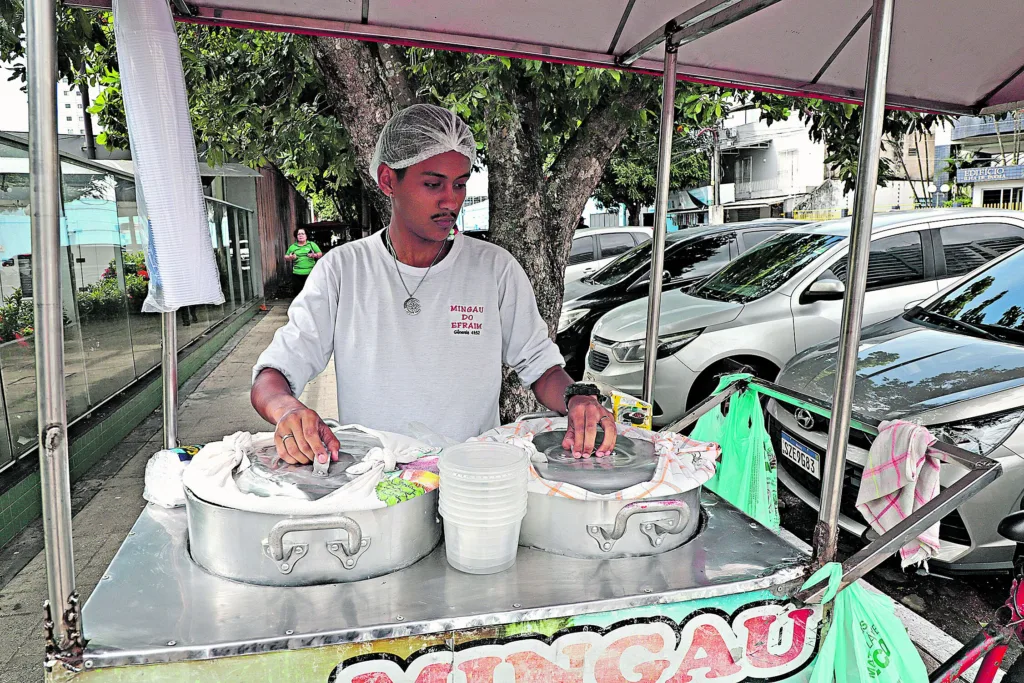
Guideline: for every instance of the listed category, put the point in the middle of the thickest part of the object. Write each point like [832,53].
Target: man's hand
[301,436]
[585,414]
[299,433]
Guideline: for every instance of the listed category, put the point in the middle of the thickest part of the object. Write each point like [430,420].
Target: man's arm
[299,352]
[271,396]
[585,414]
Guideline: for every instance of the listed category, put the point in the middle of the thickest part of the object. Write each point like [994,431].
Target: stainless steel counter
[156,605]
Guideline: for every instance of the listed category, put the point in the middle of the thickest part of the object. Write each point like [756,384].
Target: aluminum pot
[283,550]
[606,529]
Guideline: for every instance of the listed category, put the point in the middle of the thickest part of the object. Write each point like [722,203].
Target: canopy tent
[836,49]
[814,48]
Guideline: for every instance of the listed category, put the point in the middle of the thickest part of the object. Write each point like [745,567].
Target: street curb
[928,637]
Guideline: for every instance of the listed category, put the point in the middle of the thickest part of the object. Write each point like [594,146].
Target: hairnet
[419,132]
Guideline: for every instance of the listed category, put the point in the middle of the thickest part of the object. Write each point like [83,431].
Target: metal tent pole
[827,530]
[668,115]
[45,203]
[169,376]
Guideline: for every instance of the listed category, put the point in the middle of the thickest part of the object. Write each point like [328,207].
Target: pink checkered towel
[901,475]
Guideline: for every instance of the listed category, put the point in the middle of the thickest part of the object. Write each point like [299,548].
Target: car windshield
[989,305]
[766,267]
[627,264]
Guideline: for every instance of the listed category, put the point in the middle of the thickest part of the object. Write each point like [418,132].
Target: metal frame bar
[842,46]
[668,121]
[622,25]
[169,376]
[45,209]
[996,90]
[826,532]
[1002,108]
[694,23]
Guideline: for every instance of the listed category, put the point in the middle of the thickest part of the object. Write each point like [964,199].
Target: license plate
[803,457]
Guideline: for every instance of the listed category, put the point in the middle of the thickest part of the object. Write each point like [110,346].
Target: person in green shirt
[302,254]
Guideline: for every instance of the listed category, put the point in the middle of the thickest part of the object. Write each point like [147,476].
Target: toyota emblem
[804,419]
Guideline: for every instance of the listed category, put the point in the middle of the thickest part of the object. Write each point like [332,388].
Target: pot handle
[348,551]
[655,529]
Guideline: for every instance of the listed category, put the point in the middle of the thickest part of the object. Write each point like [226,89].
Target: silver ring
[286,437]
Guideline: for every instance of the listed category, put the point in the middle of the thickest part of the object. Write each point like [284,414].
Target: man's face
[428,197]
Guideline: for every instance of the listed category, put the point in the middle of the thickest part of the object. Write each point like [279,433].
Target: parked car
[690,256]
[594,248]
[785,295]
[955,364]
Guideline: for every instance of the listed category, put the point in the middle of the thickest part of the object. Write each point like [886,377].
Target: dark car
[690,256]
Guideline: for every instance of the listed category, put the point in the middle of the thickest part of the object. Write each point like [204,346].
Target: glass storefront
[108,341]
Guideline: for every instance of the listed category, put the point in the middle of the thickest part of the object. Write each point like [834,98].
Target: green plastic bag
[746,476]
[866,642]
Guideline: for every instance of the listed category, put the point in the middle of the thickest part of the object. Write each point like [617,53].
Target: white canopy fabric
[953,56]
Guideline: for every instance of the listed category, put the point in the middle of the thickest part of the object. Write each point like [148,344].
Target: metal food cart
[724,606]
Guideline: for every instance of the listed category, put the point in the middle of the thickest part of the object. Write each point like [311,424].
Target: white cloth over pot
[683,464]
[179,253]
[210,475]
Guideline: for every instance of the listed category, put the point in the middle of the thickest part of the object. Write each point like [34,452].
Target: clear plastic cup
[481,550]
[476,516]
[483,497]
[485,458]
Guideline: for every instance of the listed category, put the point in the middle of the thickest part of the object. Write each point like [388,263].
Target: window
[582,250]
[912,151]
[752,237]
[1009,197]
[69,118]
[699,257]
[896,260]
[967,247]
[764,269]
[615,243]
[788,162]
[744,169]
[990,303]
[67,106]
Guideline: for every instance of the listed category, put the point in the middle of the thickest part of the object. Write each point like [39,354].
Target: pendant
[412,306]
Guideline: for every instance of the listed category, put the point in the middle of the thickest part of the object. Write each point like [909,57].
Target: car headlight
[981,435]
[668,344]
[570,318]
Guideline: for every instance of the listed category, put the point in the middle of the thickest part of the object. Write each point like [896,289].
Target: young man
[419,319]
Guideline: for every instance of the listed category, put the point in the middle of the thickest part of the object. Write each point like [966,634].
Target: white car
[594,248]
[785,295]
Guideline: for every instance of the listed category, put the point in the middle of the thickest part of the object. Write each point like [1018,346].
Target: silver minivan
[785,295]
[955,364]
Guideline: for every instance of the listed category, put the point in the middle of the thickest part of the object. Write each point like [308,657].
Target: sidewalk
[215,402]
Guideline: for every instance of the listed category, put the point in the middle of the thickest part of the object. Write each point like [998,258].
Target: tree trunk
[633,211]
[365,92]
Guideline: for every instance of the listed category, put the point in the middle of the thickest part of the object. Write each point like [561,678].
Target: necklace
[412,304]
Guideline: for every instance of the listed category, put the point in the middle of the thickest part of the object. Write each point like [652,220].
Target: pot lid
[632,462]
[269,476]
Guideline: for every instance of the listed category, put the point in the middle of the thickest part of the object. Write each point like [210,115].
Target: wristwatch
[580,389]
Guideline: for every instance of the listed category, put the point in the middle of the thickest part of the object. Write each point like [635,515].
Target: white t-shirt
[441,368]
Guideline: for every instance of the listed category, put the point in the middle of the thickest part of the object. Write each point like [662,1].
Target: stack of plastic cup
[483,502]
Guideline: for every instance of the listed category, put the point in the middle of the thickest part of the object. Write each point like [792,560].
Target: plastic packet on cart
[163,476]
